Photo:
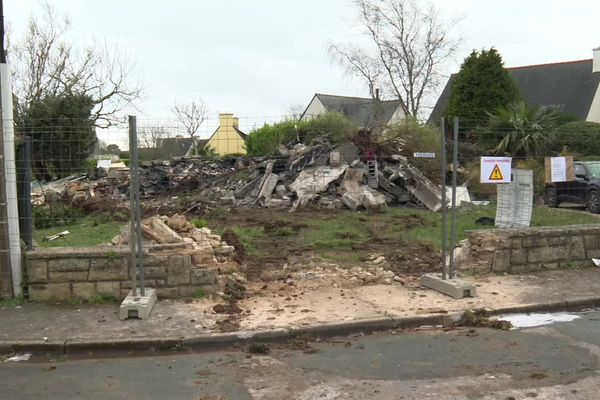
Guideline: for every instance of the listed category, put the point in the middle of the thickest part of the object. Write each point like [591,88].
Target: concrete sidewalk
[282,308]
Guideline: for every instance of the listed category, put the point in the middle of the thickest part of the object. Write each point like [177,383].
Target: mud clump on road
[303,343]
[229,308]
[229,324]
[481,319]
[259,348]
[234,291]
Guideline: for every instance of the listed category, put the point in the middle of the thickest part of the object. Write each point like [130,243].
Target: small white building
[364,112]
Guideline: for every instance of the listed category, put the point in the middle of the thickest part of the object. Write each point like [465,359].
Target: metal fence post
[443,181]
[137,256]
[133,188]
[453,215]
[25,210]
[5,261]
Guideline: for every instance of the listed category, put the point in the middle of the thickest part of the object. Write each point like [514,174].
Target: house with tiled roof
[574,86]
[364,112]
[227,138]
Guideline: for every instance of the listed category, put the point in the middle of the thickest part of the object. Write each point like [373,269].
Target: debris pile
[302,175]
[376,270]
[204,247]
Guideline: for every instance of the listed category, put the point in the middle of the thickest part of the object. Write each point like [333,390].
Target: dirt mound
[239,254]
[229,308]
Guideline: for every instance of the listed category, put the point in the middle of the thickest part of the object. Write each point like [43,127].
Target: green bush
[57,214]
[332,125]
[266,140]
[409,137]
[579,137]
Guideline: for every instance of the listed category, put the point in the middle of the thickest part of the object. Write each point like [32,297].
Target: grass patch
[250,238]
[340,233]
[199,222]
[200,294]
[88,231]
[431,233]
[12,302]
[546,216]
[103,298]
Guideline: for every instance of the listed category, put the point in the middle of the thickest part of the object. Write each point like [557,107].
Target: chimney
[236,122]
[596,62]
[225,119]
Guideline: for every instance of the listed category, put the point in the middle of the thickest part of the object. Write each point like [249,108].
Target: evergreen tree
[481,86]
[62,132]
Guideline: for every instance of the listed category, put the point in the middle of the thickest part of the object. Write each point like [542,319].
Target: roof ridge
[354,97]
[550,64]
[346,97]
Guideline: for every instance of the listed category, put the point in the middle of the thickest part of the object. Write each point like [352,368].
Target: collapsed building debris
[204,247]
[318,174]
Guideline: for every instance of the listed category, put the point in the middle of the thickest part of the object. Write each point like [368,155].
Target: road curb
[231,339]
[563,305]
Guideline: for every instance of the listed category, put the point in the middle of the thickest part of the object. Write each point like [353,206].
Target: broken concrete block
[372,200]
[351,201]
[268,186]
[280,190]
[335,158]
[179,223]
[277,203]
[224,250]
[227,200]
[156,229]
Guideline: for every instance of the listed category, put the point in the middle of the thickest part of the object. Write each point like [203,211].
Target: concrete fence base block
[138,306]
[455,288]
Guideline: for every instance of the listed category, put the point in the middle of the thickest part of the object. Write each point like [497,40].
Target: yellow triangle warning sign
[496,174]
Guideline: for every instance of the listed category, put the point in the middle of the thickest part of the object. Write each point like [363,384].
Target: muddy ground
[282,238]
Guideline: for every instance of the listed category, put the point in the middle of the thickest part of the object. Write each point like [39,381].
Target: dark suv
[585,189]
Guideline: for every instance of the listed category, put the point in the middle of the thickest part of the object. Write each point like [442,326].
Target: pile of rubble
[318,174]
[376,270]
[204,247]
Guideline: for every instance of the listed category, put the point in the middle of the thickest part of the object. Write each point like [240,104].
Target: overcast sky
[256,58]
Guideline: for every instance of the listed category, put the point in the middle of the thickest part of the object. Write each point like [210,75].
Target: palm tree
[522,131]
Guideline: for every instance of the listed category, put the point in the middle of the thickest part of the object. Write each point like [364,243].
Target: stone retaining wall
[533,249]
[81,273]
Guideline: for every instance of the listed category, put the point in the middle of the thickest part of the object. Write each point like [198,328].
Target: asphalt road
[551,362]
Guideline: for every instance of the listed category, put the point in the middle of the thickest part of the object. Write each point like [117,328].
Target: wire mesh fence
[356,192]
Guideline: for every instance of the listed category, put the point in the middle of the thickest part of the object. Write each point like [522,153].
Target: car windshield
[594,168]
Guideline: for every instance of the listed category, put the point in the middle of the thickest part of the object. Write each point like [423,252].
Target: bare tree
[150,138]
[191,115]
[358,63]
[295,111]
[410,43]
[47,64]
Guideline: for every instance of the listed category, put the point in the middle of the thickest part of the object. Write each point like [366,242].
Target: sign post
[495,170]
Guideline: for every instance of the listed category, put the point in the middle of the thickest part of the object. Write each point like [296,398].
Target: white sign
[104,164]
[495,169]
[558,169]
[424,155]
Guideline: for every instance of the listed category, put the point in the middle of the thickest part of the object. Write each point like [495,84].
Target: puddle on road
[537,319]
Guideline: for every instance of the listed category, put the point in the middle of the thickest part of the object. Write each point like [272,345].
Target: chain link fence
[355,194]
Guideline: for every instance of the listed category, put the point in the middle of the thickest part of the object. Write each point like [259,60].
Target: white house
[366,112]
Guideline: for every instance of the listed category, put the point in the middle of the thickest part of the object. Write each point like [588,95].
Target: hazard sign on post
[495,169]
